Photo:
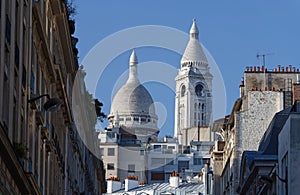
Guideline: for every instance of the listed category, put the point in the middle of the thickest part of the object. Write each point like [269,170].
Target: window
[110,166]
[24,76]
[284,174]
[110,152]
[131,168]
[157,176]
[7,29]
[182,165]
[5,102]
[197,161]
[101,151]
[199,90]
[142,152]
[111,135]
[171,147]
[157,148]
[182,90]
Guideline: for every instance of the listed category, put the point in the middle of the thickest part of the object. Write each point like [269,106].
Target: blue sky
[232,31]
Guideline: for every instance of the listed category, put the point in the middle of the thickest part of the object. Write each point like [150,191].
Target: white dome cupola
[132,106]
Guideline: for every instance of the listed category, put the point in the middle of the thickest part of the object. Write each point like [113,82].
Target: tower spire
[194,32]
[133,61]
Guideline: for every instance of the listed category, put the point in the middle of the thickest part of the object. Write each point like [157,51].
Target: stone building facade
[273,168]
[41,153]
[262,94]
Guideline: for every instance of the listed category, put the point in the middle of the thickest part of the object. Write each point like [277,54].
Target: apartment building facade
[41,153]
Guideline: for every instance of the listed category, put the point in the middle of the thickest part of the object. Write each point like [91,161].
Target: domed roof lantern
[194,32]
[133,62]
[133,59]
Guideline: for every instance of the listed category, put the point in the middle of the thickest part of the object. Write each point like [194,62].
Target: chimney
[242,87]
[296,89]
[278,68]
[113,186]
[130,184]
[174,179]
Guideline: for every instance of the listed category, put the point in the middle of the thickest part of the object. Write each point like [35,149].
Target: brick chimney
[242,88]
[296,89]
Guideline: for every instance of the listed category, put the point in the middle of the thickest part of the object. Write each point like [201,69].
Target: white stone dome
[133,98]
[132,106]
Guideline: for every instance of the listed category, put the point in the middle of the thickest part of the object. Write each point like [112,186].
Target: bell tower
[193,101]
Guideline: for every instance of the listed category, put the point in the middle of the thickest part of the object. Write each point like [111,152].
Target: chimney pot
[130,184]
[113,186]
[174,181]
[254,68]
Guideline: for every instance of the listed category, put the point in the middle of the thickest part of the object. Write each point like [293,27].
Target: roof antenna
[263,55]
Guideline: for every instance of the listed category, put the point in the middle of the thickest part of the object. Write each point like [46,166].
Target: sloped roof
[158,188]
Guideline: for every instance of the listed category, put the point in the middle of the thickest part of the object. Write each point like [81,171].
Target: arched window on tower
[199,90]
[182,91]
[203,108]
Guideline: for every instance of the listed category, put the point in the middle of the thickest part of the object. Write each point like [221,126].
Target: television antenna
[263,56]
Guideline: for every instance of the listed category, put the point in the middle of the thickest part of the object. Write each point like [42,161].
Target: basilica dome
[132,107]
[133,98]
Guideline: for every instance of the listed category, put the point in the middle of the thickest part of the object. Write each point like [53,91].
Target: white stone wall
[258,109]
[252,122]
